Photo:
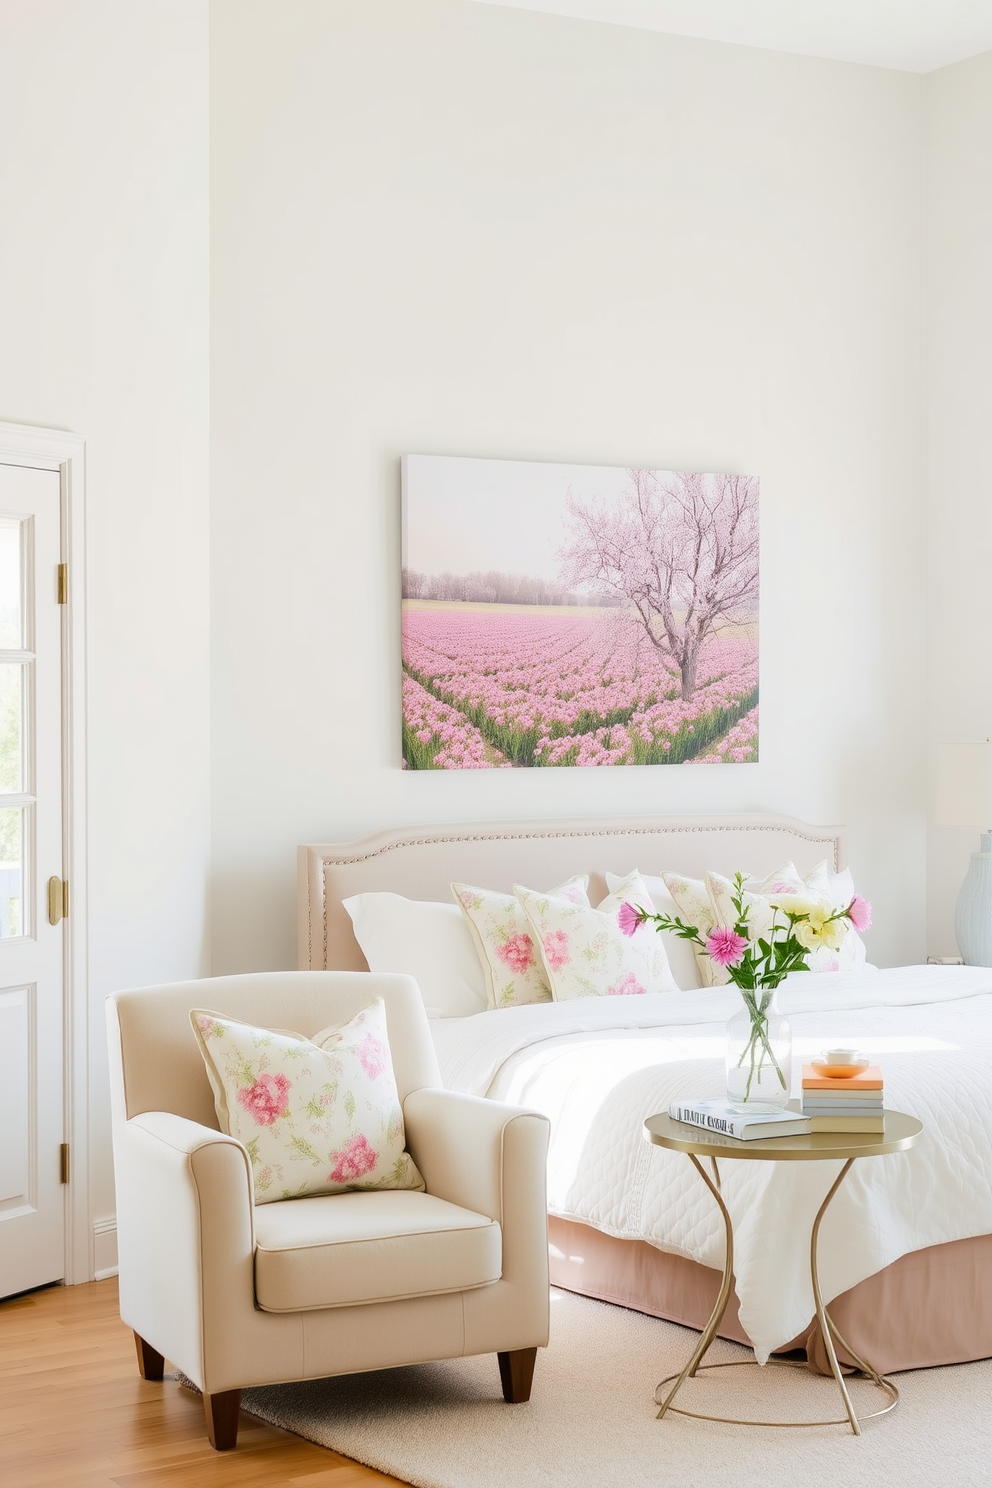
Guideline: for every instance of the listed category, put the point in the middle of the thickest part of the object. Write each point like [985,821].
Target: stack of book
[852,1104]
[829,1104]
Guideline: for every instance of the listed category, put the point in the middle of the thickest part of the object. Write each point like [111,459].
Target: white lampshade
[964,785]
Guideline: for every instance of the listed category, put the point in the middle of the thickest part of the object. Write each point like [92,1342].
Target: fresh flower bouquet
[757,957]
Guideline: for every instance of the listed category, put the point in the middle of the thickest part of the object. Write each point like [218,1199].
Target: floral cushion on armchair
[317,1116]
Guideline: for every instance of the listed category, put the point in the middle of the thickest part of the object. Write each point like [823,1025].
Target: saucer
[840,1071]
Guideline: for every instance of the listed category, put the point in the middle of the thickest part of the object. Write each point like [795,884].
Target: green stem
[759,1035]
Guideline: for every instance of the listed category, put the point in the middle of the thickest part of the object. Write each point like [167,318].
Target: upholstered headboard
[421,862]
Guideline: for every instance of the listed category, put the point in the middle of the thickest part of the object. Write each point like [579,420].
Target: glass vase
[759,1054]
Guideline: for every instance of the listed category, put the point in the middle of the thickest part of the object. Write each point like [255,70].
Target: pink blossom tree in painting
[560,616]
[681,548]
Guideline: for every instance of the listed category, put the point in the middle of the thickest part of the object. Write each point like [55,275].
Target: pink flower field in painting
[559,616]
[487,687]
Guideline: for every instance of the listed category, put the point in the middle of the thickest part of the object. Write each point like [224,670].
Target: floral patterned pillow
[585,952]
[510,960]
[694,907]
[679,952]
[317,1116]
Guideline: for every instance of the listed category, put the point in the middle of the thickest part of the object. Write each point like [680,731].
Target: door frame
[64,452]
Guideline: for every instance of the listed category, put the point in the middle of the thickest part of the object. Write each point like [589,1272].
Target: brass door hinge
[64,1163]
[58,900]
[63,583]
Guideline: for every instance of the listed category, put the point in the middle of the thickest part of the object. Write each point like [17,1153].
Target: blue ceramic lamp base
[973,914]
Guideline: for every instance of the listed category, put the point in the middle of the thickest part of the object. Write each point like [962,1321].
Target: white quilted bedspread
[597,1068]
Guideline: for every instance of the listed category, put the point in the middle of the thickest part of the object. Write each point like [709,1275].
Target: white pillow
[511,962]
[429,941]
[318,1115]
[585,952]
[680,954]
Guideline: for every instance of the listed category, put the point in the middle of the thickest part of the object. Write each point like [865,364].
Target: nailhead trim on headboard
[334,854]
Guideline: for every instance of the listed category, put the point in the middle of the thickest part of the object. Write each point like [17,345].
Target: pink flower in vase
[859,913]
[629,918]
[725,947]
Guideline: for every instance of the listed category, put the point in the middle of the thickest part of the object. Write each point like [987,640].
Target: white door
[32,1219]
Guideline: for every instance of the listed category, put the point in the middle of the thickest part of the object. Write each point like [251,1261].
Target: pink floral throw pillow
[317,1116]
[511,961]
[585,952]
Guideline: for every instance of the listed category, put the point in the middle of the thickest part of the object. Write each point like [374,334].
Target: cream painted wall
[103,330]
[462,229]
[959,322]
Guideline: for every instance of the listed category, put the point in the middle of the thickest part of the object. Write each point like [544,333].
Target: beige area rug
[591,1423]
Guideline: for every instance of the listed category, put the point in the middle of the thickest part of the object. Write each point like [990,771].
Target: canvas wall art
[577,615]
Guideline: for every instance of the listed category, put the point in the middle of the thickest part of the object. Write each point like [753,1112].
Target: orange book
[868,1079]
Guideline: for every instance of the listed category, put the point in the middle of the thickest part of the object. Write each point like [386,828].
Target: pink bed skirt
[930,1307]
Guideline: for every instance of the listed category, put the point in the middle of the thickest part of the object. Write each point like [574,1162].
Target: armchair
[238,1295]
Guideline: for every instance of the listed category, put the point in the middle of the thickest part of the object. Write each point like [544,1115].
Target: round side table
[901,1131]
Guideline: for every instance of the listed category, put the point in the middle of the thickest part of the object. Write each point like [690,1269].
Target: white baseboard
[104,1248]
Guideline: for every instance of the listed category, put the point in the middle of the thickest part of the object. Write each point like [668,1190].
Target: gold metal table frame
[901,1131]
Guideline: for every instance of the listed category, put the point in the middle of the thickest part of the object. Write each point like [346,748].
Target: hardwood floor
[75,1412]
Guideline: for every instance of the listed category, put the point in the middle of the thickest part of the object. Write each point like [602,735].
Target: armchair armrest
[482,1154]
[492,1158]
[180,1135]
[185,1226]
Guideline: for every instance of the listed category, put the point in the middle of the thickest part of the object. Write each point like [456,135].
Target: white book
[718,1115]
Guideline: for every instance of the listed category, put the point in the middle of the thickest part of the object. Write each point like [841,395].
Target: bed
[906,1252]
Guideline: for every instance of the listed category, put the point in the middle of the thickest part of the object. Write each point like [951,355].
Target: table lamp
[964,799]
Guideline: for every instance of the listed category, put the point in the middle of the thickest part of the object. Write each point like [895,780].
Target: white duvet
[597,1068]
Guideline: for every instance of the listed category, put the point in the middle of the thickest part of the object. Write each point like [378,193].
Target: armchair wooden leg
[151,1364]
[516,1373]
[221,1411]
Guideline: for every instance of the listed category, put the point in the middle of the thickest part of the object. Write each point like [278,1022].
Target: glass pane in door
[11,870]
[11,586]
[11,727]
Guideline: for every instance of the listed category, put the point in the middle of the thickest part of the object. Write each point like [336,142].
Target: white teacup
[842,1056]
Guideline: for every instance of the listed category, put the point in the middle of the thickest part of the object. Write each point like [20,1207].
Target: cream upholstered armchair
[239,1295]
